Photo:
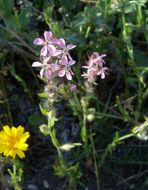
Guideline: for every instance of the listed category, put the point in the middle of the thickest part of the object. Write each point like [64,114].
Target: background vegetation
[117,28]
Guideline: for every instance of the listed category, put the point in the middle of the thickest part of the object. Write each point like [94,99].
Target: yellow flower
[12,141]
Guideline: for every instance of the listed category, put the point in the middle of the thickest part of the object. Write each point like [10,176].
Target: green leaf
[59,170]
[141,58]
[122,109]
[44,129]
[51,119]
[83,134]
[6,8]
[42,94]
[35,120]
[44,112]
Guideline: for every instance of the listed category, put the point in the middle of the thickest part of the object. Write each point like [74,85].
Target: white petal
[68,76]
[102,75]
[72,62]
[36,64]
[41,72]
[70,46]
[61,73]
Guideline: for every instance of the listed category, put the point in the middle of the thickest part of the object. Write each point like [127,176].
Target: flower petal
[46,60]
[70,46]
[63,61]
[44,51]
[37,64]
[61,73]
[102,75]
[20,154]
[68,75]
[73,87]
[7,129]
[48,74]
[57,53]
[24,137]
[51,49]
[103,55]
[38,41]
[72,62]
[54,67]
[47,35]
[23,146]
[56,41]
[41,72]
[61,42]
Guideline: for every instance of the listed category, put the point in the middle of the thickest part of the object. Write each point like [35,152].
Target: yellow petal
[14,131]
[12,141]
[3,135]
[2,148]
[23,146]
[25,136]
[20,154]
[20,131]
[7,130]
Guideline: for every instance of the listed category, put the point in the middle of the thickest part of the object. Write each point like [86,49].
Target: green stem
[107,7]
[111,146]
[126,137]
[140,21]
[56,144]
[109,115]
[15,176]
[84,134]
[95,159]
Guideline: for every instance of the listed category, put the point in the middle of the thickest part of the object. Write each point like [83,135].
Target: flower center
[13,143]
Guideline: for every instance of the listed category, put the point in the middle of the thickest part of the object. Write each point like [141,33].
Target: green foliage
[122,110]
[35,120]
[16,174]
[110,118]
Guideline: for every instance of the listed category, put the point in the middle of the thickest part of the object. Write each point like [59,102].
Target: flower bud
[90,117]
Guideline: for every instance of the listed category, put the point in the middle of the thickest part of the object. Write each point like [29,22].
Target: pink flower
[91,74]
[73,87]
[39,64]
[47,43]
[102,72]
[65,68]
[95,67]
[96,58]
[47,67]
[65,48]
[56,60]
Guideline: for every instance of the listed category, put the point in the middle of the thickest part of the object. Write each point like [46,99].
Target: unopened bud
[90,117]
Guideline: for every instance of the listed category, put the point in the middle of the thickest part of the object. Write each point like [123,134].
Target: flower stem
[95,159]
[15,176]
[84,134]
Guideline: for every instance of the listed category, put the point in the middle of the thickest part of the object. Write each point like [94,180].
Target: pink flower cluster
[55,57]
[95,67]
